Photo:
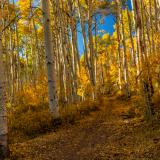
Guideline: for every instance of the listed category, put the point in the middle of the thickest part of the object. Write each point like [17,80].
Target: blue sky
[107,27]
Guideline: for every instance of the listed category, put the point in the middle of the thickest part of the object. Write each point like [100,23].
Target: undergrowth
[29,119]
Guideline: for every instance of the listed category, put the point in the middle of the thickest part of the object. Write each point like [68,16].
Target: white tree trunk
[3,114]
[50,60]
[125,63]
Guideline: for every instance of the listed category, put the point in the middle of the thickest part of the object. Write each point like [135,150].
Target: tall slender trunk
[119,49]
[3,113]
[137,41]
[37,65]
[83,28]
[50,60]
[125,63]
[18,67]
[145,80]
[131,37]
[91,48]
[156,14]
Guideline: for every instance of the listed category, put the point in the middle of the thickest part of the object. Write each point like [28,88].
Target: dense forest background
[45,78]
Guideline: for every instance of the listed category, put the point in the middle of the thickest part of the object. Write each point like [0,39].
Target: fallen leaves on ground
[103,135]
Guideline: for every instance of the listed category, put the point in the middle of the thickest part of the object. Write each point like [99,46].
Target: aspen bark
[3,113]
[125,63]
[91,49]
[86,58]
[119,49]
[136,33]
[145,80]
[131,37]
[50,60]
[18,67]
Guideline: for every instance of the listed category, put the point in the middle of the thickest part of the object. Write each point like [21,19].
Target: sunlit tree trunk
[50,60]
[156,14]
[131,37]
[158,3]
[137,56]
[125,63]
[83,28]
[18,67]
[74,46]
[119,48]
[36,62]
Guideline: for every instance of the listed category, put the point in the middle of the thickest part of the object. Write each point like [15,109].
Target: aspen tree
[50,60]
[125,63]
[83,29]
[119,47]
[90,37]
[3,112]
[145,79]
[18,69]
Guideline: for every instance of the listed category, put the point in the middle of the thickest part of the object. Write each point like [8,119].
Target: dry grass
[31,121]
[101,135]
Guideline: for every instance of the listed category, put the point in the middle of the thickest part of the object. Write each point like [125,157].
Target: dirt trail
[103,135]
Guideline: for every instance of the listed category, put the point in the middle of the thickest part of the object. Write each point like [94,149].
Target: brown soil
[103,135]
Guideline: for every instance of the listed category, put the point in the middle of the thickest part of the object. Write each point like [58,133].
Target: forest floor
[106,134]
